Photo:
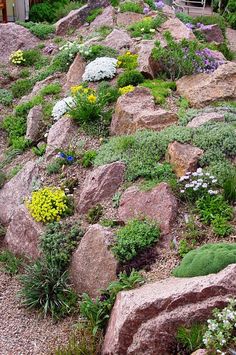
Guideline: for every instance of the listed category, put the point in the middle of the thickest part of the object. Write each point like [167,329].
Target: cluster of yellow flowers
[126,89]
[48,204]
[127,60]
[17,57]
[80,90]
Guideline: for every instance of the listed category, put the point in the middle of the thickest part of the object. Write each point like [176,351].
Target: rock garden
[118,180]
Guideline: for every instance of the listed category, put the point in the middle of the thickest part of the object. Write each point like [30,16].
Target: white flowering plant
[221,332]
[197,184]
[62,106]
[101,68]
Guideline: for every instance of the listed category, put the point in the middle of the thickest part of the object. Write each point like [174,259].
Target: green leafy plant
[97,311]
[59,241]
[160,89]
[131,7]
[40,150]
[94,214]
[6,97]
[21,87]
[128,61]
[40,30]
[146,28]
[46,288]
[93,14]
[221,227]
[211,206]
[10,262]
[133,238]
[208,259]
[88,158]
[131,77]
[116,199]
[3,178]
[191,337]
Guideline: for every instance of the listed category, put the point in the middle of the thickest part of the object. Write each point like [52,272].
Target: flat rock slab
[177,29]
[125,19]
[206,117]
[145,320]
[202,89]
[100,184]
[158,204]
[118,39]
[23,234]
[183,157]
[105,19]
[14,192]
[93,265]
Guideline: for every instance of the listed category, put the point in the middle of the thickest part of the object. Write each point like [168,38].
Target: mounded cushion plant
[208,259]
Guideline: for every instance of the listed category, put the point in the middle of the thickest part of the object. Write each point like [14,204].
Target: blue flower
[62,155]
[70,159]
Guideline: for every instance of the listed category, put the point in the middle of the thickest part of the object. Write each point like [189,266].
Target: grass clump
[160,89]
[131,7]
[208,259]
[10,262]
[93,14]
[94,214]
[146,28]
[134,238]
[21,87]
[191,338]
[40,30]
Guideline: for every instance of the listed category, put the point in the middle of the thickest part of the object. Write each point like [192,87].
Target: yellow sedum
[75,89]
[17,57]
[48,204]
[126,89]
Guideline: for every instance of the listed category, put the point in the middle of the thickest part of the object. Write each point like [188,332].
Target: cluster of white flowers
[62,106]
[219,334]
[100,68]
[198,181]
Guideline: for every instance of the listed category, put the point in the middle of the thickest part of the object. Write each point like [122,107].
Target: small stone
[35,124]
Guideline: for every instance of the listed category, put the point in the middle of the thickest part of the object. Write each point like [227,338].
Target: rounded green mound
[209,259]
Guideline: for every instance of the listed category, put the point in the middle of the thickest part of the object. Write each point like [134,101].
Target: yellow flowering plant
[48,204]
[126,89]
[17,57]
[128,61]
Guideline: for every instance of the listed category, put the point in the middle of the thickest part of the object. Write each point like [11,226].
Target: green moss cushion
[209,259]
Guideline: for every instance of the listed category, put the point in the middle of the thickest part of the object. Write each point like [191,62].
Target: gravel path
[23,332]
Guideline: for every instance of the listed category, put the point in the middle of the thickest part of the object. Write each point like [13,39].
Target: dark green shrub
[6,97]
[15,127]
[88,158]
[10,262]
[109,93]
[40,30]
[97,312]
[229,186]
[42,12]
[25,73]
[21,87]
[51,89]
[115,2]
[46,287]
[191,338]
[58,242]
[133,238]
[208,259]
[94,214]
[221,227]
[31,57]
[209,207]
[132,77]
[93,14]
[131,7]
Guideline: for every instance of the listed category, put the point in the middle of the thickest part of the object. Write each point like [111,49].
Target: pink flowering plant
[197,184]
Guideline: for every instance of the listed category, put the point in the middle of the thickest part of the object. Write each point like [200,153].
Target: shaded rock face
[158,204]
[76,18]
[93,265]
[118,39]
[14,192]
[105,19]
[144,58]
[145,320]
[206,117]
[177,29]
[75,72]
[60,135]
[136,110]
[35,124]
[183,157]
[100,184]
[14,37]
[128,18]
[23,234]
[202,89]
[212,33]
